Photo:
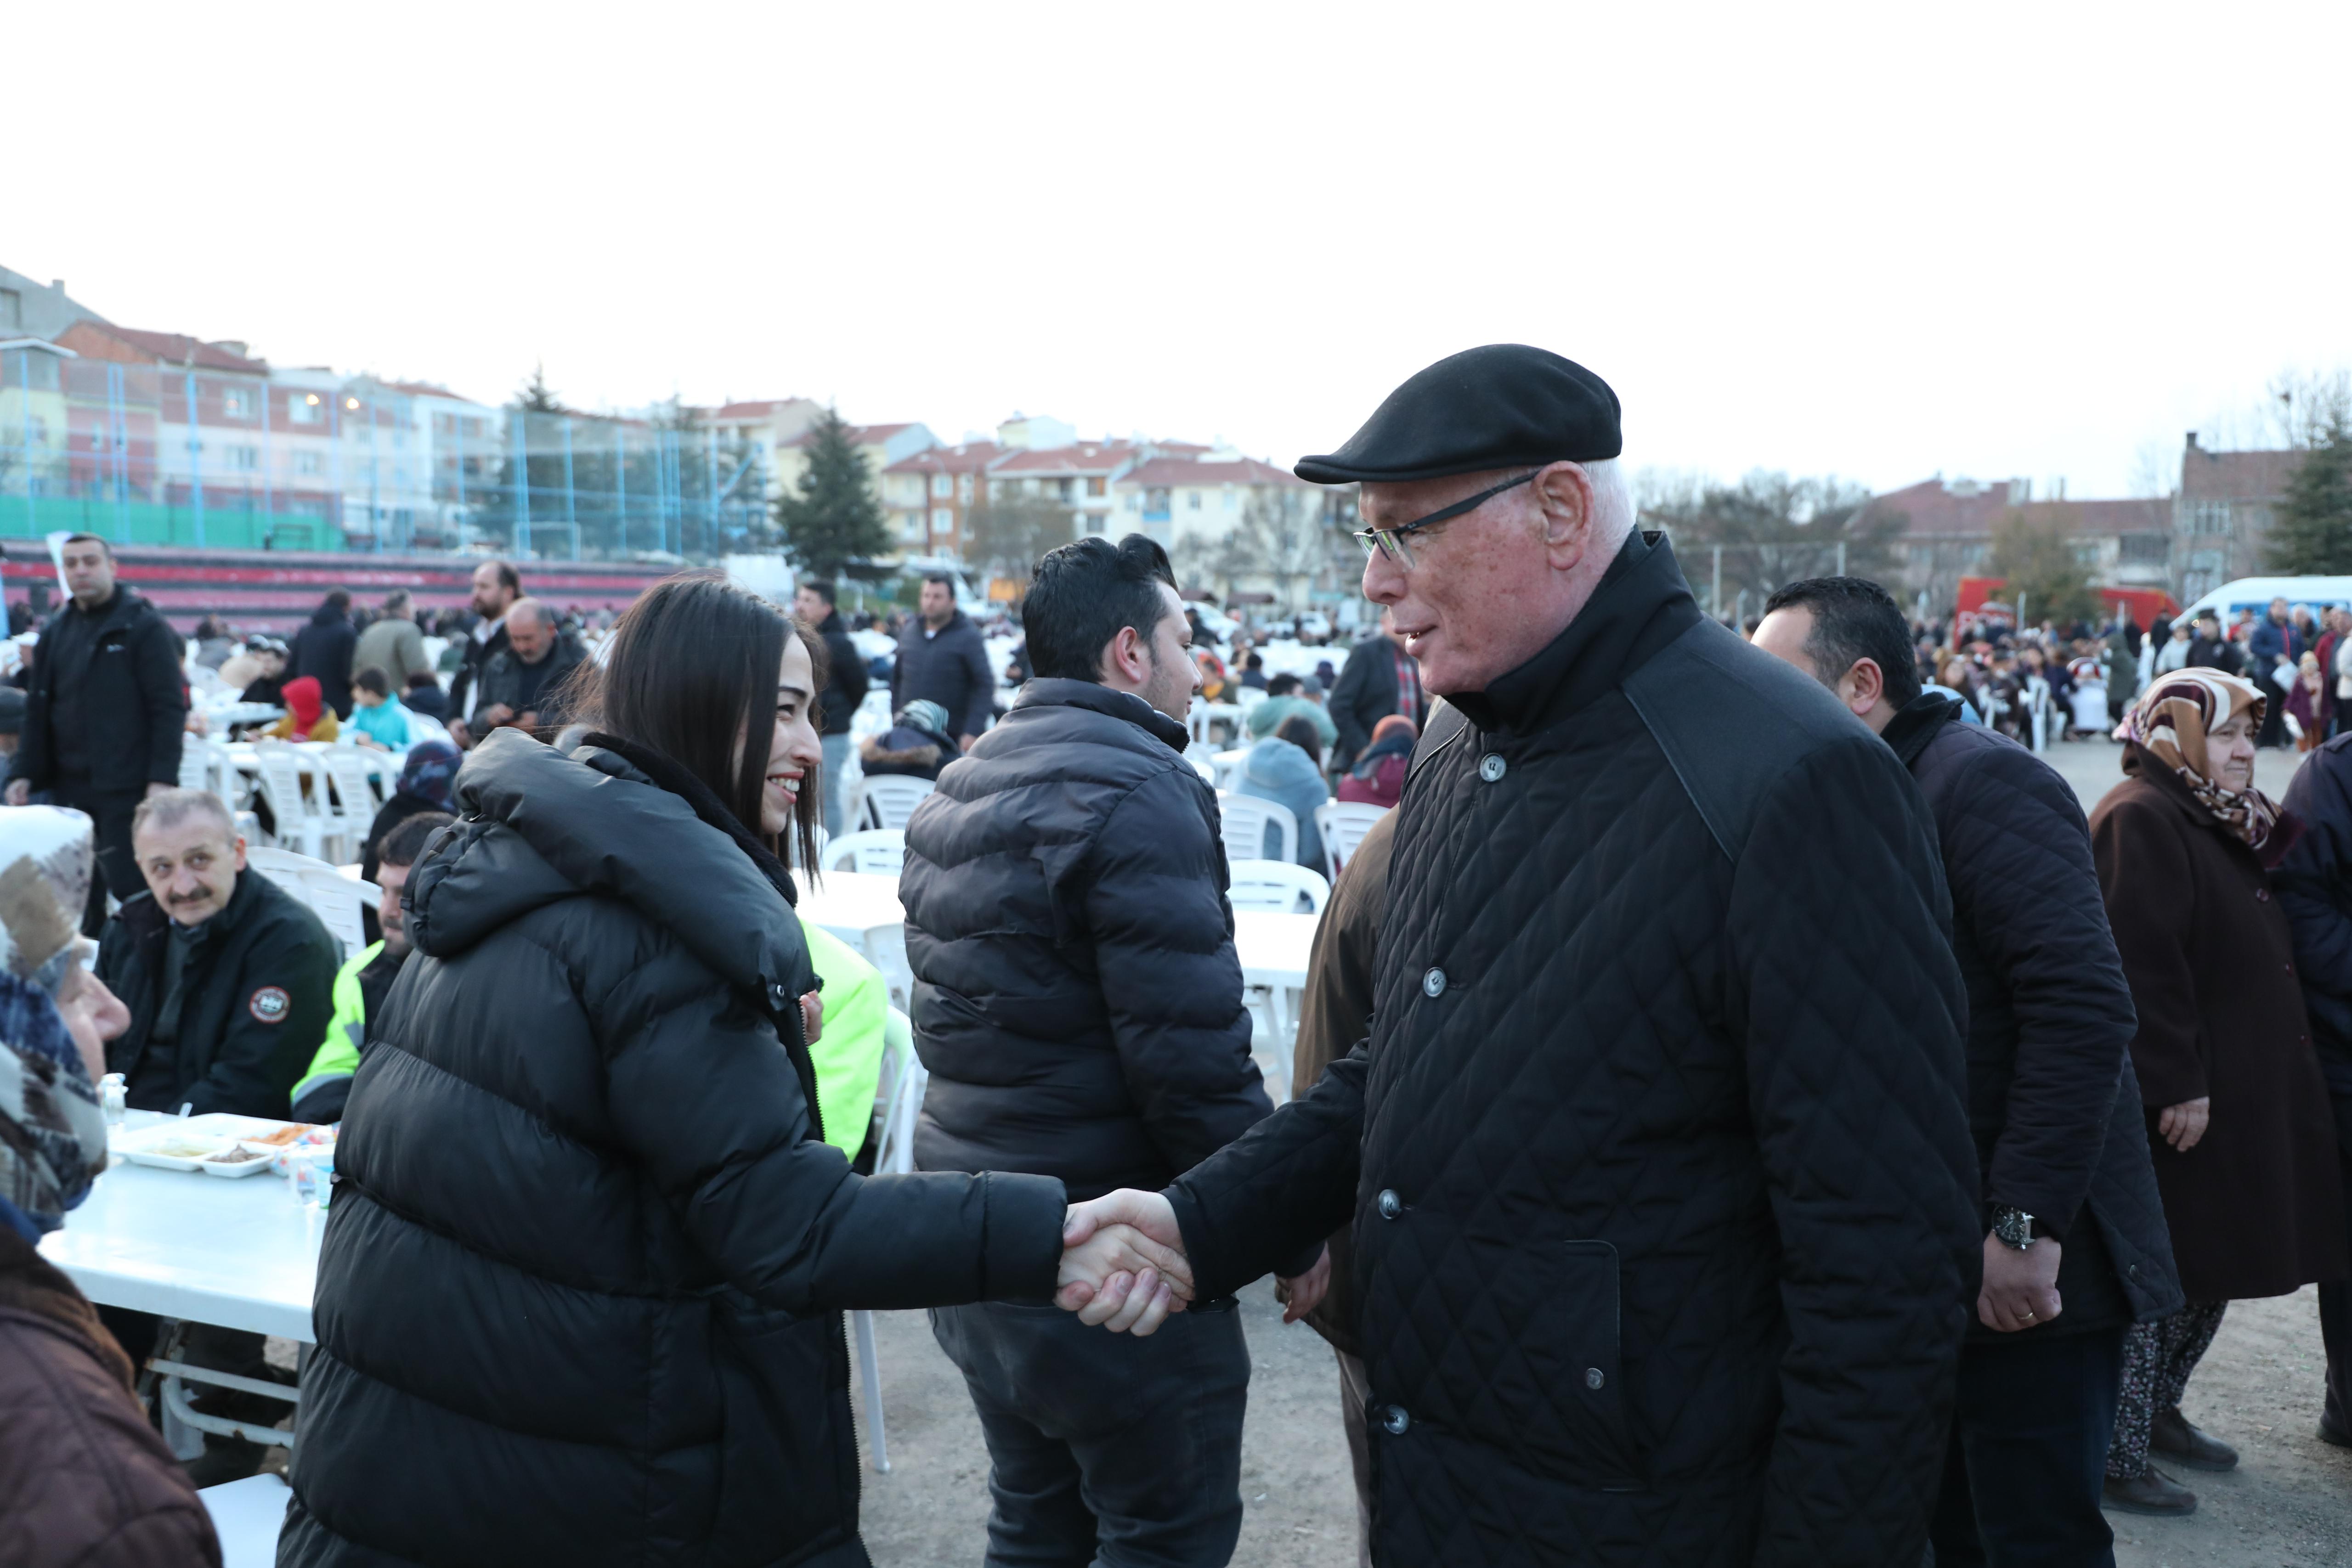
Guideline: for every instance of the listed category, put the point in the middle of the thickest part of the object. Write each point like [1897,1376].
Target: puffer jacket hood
[1276,764]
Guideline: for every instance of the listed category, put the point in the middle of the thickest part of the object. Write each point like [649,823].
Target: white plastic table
[852,904]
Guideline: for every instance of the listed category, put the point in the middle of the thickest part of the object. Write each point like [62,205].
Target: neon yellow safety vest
[338,1055]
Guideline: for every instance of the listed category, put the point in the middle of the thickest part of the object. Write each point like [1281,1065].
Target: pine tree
[831,523]
[2312,535]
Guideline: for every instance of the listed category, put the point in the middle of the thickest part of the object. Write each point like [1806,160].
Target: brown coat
[84,1480]
[1336,1014]
[2255,1207]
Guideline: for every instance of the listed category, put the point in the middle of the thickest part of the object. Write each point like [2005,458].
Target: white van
[2255,593]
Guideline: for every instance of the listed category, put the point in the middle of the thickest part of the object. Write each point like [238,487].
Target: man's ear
[1865,684]
[1563,498]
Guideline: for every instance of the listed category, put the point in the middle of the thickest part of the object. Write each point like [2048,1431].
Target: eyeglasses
[1390,542]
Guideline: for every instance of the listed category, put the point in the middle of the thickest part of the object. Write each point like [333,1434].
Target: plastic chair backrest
[355,804]
[1246,818]
[298,816]
[195,764]
[333,897]
[888,799]
[1277,886]
[900,1097]
[876,851]
[1342,825]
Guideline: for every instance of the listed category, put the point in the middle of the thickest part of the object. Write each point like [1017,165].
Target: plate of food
[187,1142]
[236,1162]
[283,1136]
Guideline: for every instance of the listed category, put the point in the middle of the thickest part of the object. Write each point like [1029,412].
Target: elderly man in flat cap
[1664,1195]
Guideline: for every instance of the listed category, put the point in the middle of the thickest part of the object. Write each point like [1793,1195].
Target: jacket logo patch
[269,1004]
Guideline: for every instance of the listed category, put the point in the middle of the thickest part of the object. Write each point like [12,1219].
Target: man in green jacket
[362,983]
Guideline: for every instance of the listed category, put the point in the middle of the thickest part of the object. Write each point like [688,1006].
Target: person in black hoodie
[322,649]
[2075,1247]
[579,1297]
[943,658]
[844,688]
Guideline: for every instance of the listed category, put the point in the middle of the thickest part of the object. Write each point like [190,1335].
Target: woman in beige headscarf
[2239,1126]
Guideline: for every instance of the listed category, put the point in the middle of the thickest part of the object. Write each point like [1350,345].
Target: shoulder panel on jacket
[1726,754]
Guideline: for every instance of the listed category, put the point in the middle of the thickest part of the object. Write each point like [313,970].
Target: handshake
[1124,1268]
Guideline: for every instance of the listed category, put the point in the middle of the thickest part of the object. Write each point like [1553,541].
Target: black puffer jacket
[2051,1095]
[2315,888]
[106,700]
[1658,1155]
[577,1301]
[1077,1000]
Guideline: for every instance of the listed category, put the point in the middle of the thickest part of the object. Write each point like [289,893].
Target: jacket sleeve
[1171,983]
[1265,1200]
[255,1067]
[165,696]
[980,685]
[707,1103]
[2144,872]
[1353,734]
[2314,884]
[1851,1008]
[33,761]
[849,673]
[2022,880]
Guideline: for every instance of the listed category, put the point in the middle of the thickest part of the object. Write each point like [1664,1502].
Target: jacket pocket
[1558,1387]
[787,1455]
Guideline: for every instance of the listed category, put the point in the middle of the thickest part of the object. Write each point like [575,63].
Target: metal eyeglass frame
[1390,542]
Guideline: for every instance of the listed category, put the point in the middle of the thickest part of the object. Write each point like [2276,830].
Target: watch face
[2014,1227]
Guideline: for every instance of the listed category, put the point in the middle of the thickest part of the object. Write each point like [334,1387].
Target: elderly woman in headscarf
[83,1478]
[307,717]
[2238,1115]
[917,744]
[1377,776]
[428,781]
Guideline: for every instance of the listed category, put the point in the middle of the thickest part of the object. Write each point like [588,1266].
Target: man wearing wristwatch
[2076,1246]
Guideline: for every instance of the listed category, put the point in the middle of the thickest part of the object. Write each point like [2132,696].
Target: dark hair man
[1079,1003]
[104,712]
[227,976]
[844,688]
[943,659]
[521,683]
[393,643]
[497,586]
[2075,1242]
[362,983]
[1379,679]
[1667,1201]
[325,649]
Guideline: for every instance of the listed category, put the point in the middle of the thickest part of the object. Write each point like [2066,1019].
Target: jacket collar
[1917,722]
[1054,691]
[1640,605]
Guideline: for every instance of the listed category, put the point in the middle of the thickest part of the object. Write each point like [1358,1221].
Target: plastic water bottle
[112,1097]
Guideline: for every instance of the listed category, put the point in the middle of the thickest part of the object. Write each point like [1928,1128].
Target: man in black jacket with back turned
[103,714]
[2075,1247]
[1079,1003]
[323,650]
[844,688]
[1379,679]
[1657,1154]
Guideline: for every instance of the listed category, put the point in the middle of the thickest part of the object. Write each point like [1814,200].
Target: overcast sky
[1873,241]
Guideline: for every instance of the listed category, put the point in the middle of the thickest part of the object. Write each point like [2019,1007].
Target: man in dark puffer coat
[1658,1155]
[578,1301]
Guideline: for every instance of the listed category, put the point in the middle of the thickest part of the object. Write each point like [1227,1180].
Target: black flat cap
[1502,407]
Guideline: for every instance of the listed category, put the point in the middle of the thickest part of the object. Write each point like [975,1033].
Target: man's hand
[812,1016]
[153,789]
[1303,1294]
[492,717]
[2181,1125]
[2020,1289]
[1121,1280]
[965,741]
[459,735]
[19,793]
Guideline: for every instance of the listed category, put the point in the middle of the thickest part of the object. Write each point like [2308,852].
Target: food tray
[194,1140]
[245,1163]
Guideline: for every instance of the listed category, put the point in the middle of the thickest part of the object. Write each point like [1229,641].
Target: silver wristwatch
[2013,1227]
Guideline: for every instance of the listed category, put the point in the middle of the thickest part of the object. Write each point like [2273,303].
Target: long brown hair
[690,663]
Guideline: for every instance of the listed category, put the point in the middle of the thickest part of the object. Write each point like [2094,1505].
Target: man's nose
[1383,579]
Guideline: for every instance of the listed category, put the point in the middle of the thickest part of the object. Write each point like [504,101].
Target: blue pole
[457,427]
[620,480]
[375,488]
[710,481]
[25,392]
[268,470]
[571,498]
[118,436]
[522,484]
[195,457]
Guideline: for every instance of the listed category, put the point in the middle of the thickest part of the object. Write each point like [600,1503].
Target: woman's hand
[1121,1280]
[2181,1125]
[812,1016]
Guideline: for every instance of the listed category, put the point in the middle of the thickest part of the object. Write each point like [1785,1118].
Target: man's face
[530,636]
[2278,611]
[811,607]
[90,573]
[491,597]
[1174,676]
[273,662]
[1476,603]
[388,915]
[938,604]
[191,865]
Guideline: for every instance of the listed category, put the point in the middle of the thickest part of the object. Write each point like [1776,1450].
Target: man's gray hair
[1613,502]
[169,809]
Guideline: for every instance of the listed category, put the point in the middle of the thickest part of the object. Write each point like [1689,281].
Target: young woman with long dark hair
[578,1296]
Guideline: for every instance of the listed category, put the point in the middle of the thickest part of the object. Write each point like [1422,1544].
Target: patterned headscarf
[430,774]
[2170,722]
[922,713]
[52,1133]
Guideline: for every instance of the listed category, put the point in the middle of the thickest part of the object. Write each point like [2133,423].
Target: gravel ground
[2288,1505]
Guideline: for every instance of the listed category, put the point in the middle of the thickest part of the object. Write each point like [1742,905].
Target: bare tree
[1774,530]
[1008,534]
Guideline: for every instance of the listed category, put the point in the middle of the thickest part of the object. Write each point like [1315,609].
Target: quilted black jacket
[578,1296]
[1658,1155]
[2051,1095]
[2315,888]
[1077,1000]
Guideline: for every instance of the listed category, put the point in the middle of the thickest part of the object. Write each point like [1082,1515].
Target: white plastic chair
[888,799]
[898,1100]
[876,851]
[351,811]
[1228,766]
[299,820]
[1342,825]
[247,1517]
[334,898]
[1275,887]
[201,765]
[1247,818]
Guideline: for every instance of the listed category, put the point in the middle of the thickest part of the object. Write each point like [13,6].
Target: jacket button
[2133,1271]
[1395,1420]
[1432,984]
[1491,767]
[1391,1204]
[776,995]
[1594,1378]
[2262,894]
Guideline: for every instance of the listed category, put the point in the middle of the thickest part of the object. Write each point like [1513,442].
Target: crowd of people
[1779,1128]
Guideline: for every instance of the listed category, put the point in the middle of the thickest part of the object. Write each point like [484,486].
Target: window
[244,459]
[12,309]
[942,519]
[308,463]
[942,485]
[237,402]
[1097,486]
[304,408]
[1062,488]
[913,529]
[1192,499]
[963,488]
[2145,549]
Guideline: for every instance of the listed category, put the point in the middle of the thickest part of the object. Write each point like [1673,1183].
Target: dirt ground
[2288,1504]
